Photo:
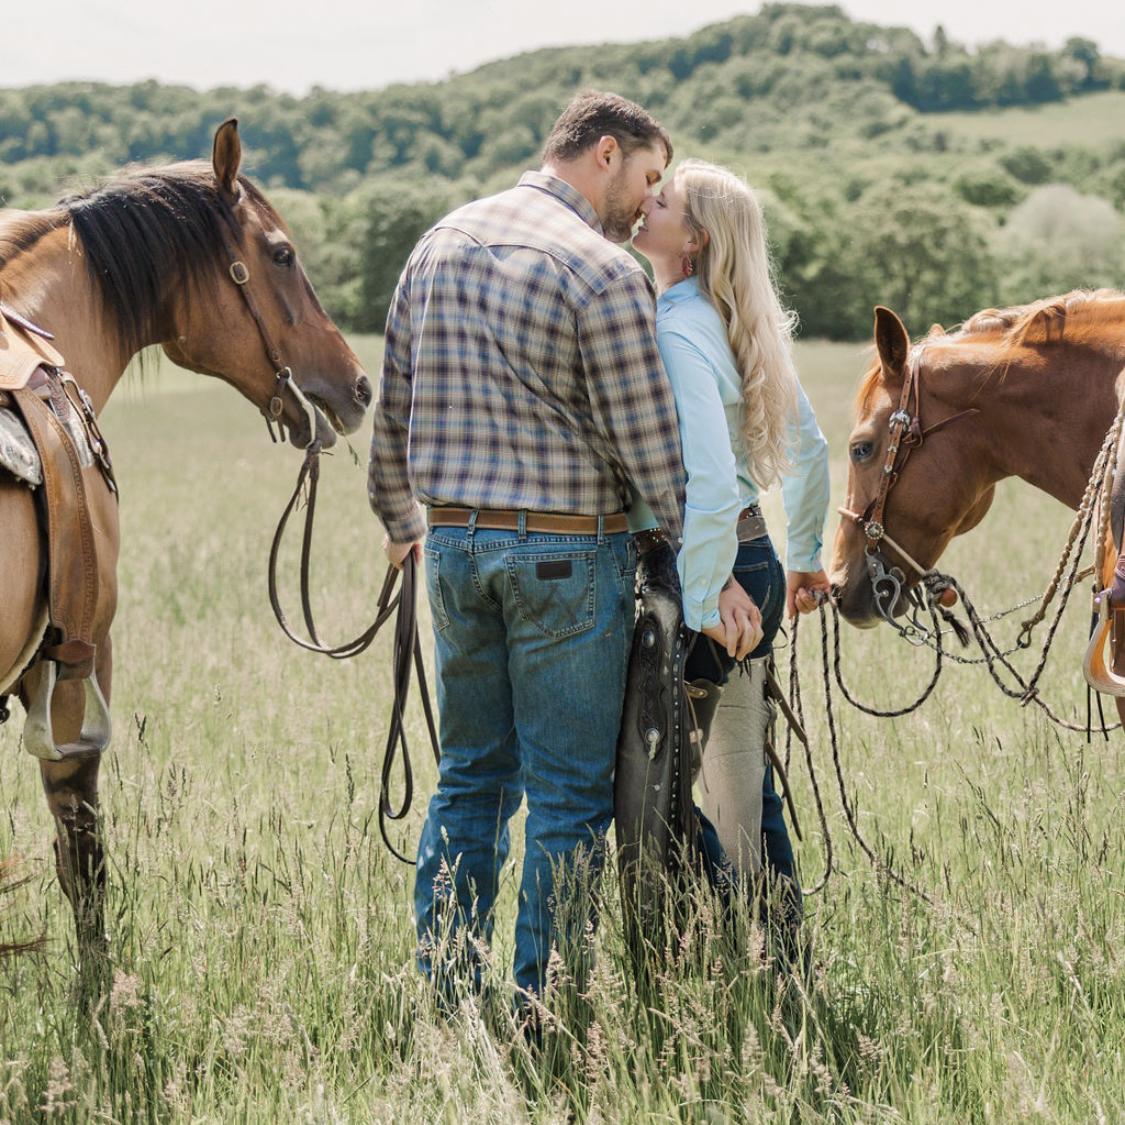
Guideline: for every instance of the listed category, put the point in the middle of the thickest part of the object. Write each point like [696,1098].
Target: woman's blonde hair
[734,273]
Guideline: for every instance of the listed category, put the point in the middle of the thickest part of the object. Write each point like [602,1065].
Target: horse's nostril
[363,391]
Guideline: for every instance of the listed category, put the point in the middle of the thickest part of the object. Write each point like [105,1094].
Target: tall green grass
[263,942]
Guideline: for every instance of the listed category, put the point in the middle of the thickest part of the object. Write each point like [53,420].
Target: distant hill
[821,111]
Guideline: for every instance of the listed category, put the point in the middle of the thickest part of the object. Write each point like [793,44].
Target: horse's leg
[72,796]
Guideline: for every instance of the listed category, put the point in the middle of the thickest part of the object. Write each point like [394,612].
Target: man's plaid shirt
[521,370]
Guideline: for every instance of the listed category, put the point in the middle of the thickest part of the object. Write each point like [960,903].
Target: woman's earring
[687,266]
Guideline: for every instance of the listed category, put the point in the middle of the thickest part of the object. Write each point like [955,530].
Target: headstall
[273,410]
[906,434]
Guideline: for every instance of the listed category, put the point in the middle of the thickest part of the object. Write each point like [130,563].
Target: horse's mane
[1088,313]
[1042,322]
[144,233]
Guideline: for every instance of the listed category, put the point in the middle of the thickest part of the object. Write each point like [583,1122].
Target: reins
[887,583]
[406,649]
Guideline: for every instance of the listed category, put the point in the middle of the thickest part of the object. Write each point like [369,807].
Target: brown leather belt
[551,523]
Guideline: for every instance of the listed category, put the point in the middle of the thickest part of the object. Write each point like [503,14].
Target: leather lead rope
[401,606]
[407,647]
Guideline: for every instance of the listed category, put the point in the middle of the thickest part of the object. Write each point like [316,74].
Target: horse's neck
[1044,421]
[49,284]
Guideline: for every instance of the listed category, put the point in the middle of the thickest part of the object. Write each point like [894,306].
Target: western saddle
[50,442]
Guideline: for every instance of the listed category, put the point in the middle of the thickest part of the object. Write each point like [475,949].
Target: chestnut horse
[194,258]
[1028,392]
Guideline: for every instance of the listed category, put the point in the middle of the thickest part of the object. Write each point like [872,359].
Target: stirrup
[38,732]
[1100,674]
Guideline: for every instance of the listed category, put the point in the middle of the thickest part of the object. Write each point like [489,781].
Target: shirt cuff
[807,564]
[405,527]
[700,615]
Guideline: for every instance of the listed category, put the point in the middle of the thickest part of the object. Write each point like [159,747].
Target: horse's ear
[226,156]
[893,345]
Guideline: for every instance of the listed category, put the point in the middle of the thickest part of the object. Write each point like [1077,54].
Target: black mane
[148,233]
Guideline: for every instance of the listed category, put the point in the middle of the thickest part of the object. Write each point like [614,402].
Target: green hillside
[1094,119]
[846,127]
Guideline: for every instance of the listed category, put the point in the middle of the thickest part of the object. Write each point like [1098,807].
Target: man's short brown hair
[592,115]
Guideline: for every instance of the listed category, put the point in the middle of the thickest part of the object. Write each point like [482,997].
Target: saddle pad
[20,354]
[17,451]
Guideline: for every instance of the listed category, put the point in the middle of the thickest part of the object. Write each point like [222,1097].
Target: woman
[745,424]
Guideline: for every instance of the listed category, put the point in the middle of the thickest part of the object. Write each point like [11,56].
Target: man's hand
[740,627]
[397,552]
[805,590]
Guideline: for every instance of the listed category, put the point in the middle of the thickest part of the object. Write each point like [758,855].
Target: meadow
[262,937]
[1094,121]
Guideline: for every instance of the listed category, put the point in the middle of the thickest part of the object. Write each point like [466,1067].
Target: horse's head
[251,317]
[936,487]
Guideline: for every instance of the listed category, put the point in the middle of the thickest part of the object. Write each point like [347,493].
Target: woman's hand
[740,622]
[805,590]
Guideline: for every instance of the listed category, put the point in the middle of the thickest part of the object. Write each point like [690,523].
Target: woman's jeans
[759,571]
[532,639]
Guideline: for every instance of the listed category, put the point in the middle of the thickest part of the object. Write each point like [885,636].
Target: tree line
[831,118]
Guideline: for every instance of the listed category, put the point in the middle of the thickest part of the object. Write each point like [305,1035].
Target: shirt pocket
[555,591]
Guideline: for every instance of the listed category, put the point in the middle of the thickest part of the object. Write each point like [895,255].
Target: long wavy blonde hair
[734,272]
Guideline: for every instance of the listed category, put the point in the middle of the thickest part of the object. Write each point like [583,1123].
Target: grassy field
[262,939]
[1094,119]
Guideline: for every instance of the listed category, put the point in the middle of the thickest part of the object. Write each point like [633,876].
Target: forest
[915,172]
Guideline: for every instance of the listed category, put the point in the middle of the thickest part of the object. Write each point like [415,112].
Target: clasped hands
[740,621]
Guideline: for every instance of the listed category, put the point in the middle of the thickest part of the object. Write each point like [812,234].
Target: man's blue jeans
[532,636]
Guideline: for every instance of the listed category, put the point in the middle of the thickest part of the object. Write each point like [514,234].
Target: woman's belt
[751,525]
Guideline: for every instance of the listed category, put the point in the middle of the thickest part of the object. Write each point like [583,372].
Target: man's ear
[605,149]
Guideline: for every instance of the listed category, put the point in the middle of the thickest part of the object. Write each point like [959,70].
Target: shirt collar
[562,191]
[681,291]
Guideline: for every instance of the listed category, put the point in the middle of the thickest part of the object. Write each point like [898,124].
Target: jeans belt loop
[521,525]
[471,526]
[601,529]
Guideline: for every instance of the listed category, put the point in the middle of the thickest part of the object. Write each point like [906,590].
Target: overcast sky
[349,44]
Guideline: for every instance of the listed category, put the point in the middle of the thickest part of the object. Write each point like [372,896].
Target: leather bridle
[407,649]
[906,434]
[272,411]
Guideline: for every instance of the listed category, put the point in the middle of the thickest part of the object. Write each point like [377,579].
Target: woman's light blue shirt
[697,356]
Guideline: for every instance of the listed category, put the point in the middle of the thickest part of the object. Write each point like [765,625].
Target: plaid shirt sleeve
[388,483]
[633,406]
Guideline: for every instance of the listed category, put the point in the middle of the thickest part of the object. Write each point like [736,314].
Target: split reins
[402,606]
[888,582]
[887,586]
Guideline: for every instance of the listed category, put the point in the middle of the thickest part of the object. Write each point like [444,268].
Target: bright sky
[356,44]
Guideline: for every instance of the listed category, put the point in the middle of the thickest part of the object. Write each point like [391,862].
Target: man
[522,394]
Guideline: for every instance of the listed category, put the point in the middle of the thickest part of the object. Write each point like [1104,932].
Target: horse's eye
[862,450]
[283,256]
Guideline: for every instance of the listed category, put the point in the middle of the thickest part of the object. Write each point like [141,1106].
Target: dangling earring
[687,266]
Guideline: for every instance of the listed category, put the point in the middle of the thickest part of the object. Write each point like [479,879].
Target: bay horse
[191,257]
[1029,392]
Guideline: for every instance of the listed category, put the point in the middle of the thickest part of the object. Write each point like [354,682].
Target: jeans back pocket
[555,591]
